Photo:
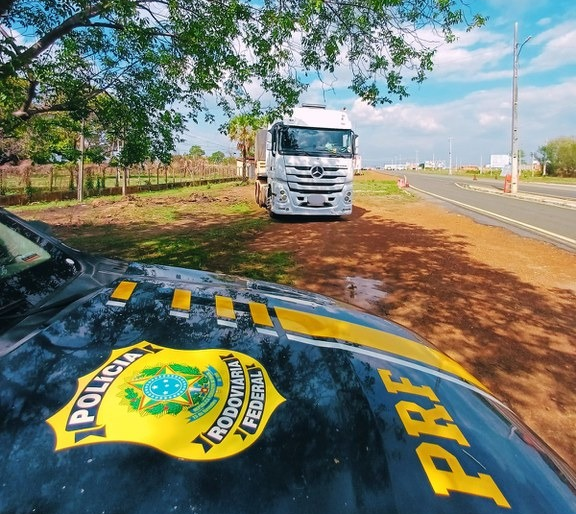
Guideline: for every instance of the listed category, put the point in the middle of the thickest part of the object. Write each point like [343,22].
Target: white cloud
[467,99]
[479,124]
[544,21]
[558,45]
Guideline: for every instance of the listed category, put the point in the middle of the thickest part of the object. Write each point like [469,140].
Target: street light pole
[514,150]
[449,156]
[80,190]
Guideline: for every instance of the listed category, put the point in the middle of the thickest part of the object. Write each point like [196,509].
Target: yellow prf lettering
[428,424]
[405,386]
[456,478]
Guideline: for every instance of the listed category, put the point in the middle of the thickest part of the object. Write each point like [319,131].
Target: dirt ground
[502,305]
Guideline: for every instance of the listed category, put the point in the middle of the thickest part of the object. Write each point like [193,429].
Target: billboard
[499,160]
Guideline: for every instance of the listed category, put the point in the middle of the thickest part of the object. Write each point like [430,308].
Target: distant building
[435,165]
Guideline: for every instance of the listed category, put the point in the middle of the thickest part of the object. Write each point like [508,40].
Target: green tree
[521,156]
[242,129]
[544,159]
[560,156]
[51,138]
[77,53]
[97,147]
[10,127]
[196,151]
[217,157]
[167,51]
[138,131]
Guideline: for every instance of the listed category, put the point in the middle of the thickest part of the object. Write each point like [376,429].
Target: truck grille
[324,180]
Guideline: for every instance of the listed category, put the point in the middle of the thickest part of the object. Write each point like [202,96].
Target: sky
[464,109]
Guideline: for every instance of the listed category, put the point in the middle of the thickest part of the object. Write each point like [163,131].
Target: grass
[223,248]
[176,193]
[377,187]
[548,179]
[208,227]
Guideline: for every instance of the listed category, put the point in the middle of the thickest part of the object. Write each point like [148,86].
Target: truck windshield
[315,141]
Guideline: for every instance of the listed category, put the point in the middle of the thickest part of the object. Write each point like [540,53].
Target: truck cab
[309,164]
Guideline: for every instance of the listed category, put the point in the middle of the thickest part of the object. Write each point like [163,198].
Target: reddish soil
[500,304]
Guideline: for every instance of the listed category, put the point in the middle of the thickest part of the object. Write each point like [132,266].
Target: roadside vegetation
[208,227]
[30,182]
[119,82]
[373,187]
[205,227]
[526,175]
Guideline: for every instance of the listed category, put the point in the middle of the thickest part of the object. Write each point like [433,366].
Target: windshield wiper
[58,304]
[296,152]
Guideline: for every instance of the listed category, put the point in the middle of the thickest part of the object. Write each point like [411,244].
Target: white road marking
[552,235]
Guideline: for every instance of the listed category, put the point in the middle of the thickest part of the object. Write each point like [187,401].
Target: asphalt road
[541,211]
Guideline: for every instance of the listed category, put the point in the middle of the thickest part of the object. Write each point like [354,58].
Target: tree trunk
[124,181]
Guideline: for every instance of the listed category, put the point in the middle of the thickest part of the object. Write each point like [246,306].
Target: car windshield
[18,253]
[31,269]
[308,141]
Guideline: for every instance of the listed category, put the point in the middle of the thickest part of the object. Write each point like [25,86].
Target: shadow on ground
[517,337]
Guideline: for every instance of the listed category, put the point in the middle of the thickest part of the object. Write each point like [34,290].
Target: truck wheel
[257,193]
[260,189]
[268,204]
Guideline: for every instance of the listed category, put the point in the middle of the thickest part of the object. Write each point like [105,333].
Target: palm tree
[242,129]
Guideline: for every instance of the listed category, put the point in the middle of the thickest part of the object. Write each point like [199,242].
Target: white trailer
[309,163]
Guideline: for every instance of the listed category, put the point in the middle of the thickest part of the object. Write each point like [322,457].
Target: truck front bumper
[286,202]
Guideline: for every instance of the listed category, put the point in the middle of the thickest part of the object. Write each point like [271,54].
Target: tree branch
[24,58]
[6,7]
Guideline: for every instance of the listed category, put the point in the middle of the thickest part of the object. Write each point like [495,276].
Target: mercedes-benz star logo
[317,171]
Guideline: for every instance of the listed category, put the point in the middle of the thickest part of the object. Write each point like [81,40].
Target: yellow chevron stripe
[260,314]
[182,299]
[124,290]
[225,307]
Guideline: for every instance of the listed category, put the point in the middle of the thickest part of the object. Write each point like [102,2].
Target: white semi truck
[305,163]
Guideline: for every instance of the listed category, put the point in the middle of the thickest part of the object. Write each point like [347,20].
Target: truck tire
[260,189]
[268,205]
[257,193]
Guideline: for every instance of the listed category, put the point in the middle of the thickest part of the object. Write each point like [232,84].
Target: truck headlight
[282,196]
[348,197]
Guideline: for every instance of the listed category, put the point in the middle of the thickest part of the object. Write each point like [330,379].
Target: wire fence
[28,183]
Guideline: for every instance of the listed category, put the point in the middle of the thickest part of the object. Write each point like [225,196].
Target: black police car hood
[181,391]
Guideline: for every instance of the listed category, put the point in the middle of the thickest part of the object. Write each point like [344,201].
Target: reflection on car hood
[176,390]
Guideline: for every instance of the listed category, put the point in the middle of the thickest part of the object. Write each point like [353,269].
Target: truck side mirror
[276,130]
[274,140]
